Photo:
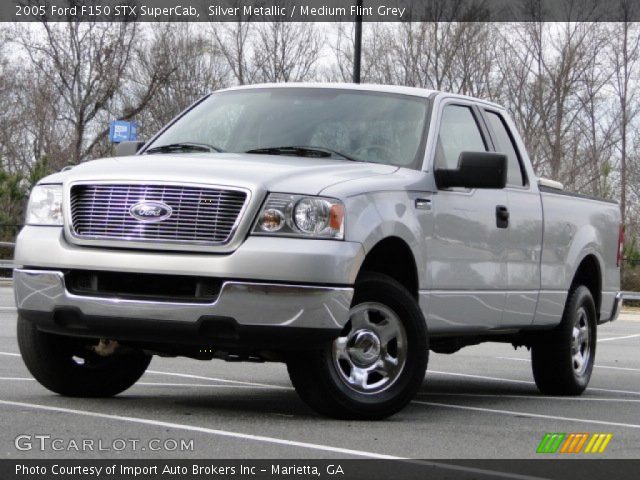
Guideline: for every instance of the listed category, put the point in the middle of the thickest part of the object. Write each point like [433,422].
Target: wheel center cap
[577,339]
[364,348]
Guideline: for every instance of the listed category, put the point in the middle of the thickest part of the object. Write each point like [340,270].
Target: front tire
[68,365]
[377,364]
[562,361]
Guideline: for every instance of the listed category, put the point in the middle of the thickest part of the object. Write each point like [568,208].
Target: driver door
[467,261]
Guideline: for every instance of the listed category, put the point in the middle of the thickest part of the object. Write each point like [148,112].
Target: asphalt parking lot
[478,403]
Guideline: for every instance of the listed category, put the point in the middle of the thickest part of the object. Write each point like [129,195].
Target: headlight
[301,216]
[45,205]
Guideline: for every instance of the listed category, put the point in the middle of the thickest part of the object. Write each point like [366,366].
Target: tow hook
[106,347]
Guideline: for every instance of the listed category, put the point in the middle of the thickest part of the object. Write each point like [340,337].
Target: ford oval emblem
[148,211]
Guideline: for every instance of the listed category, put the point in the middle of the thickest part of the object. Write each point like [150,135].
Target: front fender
[372,217]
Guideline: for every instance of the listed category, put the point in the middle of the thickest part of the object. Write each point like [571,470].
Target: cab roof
[413,91]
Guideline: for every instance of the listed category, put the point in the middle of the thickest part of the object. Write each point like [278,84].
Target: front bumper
[277,260]
[244,312]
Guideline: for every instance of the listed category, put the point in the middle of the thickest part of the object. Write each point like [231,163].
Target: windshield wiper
[303,151]
[184,146]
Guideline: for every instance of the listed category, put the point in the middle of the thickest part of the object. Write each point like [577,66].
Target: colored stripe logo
[550,442]
[598,443]
[574,443]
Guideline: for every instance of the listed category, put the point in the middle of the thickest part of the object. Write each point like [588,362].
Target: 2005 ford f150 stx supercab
[345,230]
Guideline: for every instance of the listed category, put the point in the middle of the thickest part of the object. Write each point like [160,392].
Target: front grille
[198,215]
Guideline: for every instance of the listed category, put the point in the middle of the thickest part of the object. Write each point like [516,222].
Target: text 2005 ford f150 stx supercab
[345,230]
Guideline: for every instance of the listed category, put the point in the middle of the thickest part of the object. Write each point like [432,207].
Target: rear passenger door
[524,233]
[466,254]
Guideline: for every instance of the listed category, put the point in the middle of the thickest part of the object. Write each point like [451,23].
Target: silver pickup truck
[345,230]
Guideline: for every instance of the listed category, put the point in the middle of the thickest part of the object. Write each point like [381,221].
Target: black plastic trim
[210,332]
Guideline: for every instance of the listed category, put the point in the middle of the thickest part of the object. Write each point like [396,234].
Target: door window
[459,132]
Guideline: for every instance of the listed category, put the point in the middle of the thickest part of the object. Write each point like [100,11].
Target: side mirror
[124,149]
[475,170]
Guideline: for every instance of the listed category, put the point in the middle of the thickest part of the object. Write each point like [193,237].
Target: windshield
[347,124]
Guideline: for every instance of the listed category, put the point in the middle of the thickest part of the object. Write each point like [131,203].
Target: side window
[505,145]
[459,132]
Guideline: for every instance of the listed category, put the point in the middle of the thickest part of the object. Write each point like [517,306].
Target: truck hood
[259,173]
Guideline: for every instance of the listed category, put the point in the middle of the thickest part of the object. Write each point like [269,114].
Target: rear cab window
[504,143]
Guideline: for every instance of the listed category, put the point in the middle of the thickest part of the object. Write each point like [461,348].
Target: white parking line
[611,339]
[266,385]
[7,309]
[434,394]
[528,414]
[528,397]
[271,440]
[508,380]
[481,377]
[213,379]
[608,390]
[194,377]
[199,385]
[207,431]
[155,384]
[628,369]
[613,334]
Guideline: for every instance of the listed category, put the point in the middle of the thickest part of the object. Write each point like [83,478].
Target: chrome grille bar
[202,215]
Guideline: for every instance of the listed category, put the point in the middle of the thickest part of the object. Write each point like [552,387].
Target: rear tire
[377,364]
[562,361]
[68,366]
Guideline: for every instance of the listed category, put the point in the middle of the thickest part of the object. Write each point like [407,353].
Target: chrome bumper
[247,303]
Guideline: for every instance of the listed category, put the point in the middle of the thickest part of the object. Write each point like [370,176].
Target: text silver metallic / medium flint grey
[480,263]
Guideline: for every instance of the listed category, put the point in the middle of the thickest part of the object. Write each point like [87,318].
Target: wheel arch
[392,256]
[589,274]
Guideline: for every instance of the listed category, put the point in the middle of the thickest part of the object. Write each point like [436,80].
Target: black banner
[318,469]
[319,10]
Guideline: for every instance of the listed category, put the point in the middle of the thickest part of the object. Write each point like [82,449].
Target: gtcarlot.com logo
[47,443]
[574,443]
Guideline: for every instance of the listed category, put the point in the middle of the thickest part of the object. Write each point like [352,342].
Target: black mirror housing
[475,170]
[124,149]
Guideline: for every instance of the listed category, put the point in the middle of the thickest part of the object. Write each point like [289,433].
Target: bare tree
[234,41]
[515,87]
[474,61]
[559,57]
[596,132]
[193,64]
[84,62]
[625,56]
[341,69]
[441,53]
[27,119]
[286,51]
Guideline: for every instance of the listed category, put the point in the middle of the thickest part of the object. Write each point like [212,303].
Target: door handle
[423,203]
[502,216]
